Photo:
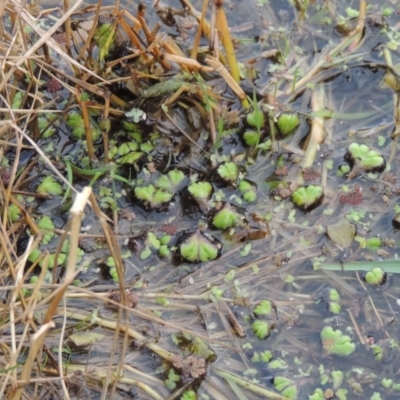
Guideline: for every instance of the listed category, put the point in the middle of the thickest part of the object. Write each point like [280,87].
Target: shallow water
[283,267]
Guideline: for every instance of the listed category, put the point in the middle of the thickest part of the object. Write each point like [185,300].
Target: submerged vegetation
[189,194]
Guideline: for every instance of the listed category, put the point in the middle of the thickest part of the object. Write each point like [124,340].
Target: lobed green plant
[152,197]
[198,248]
[287,122]
[376,276]
[229,172]
[334,342]
[307,198]
[49,186]
[248,190]
[227,217]
[360,156]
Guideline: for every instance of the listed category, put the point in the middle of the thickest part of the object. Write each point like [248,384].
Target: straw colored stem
[232,83]
[108,124]
[225,37]
[131,332]
[346,42]
[249,385]
[357,32]
[99,374]
[205,26]
[155,49]
[317,132]
[88,130]
[67,26]
[132,35]
[199,30]
[88,40]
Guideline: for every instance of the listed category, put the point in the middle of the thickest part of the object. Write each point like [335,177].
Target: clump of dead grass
[34,328]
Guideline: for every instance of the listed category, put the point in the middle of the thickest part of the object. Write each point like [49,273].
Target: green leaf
[14,213]
[334,342]
[153,241]
[291,392]
[386,383]
[246,250]
[200,190]
[390,266]
[251,138]
[286,386]
[110,262]
[230,276]
[265,145]
[260,329]
[374,243]
[248,190]
[189,395]
[146,147]
[317,395]
[341,394]
[164,251]
[76,123]
[361,156]
[43,122]
[17,100]
[263,308]
[334,307]
[114,274]
[151,196]
[307,198]
[256,118]
[49,186]
[334,295]
[52,262]
[130,158]
[226,218]
[376,276]
[45,224]
[127,148]
[337,378]
[198,248]
[35,255]
[165,239]
[171,181]
[287,122]
[163,301]
[277,364]
[104,38]
[228,171]
[145,253]
[351,12]
[323,114]
[266,355]
[136,114]
[217,292]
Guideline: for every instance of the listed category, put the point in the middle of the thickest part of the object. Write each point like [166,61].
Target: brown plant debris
[132,299]
[169,229]
[310,174]
[53,86]
[389,177]
[190,367]
[281,171]
[353,198]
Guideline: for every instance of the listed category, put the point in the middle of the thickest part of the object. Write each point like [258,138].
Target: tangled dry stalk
[34,328]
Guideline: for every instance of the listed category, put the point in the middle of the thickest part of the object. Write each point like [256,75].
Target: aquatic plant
[334,342]
[307,198]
